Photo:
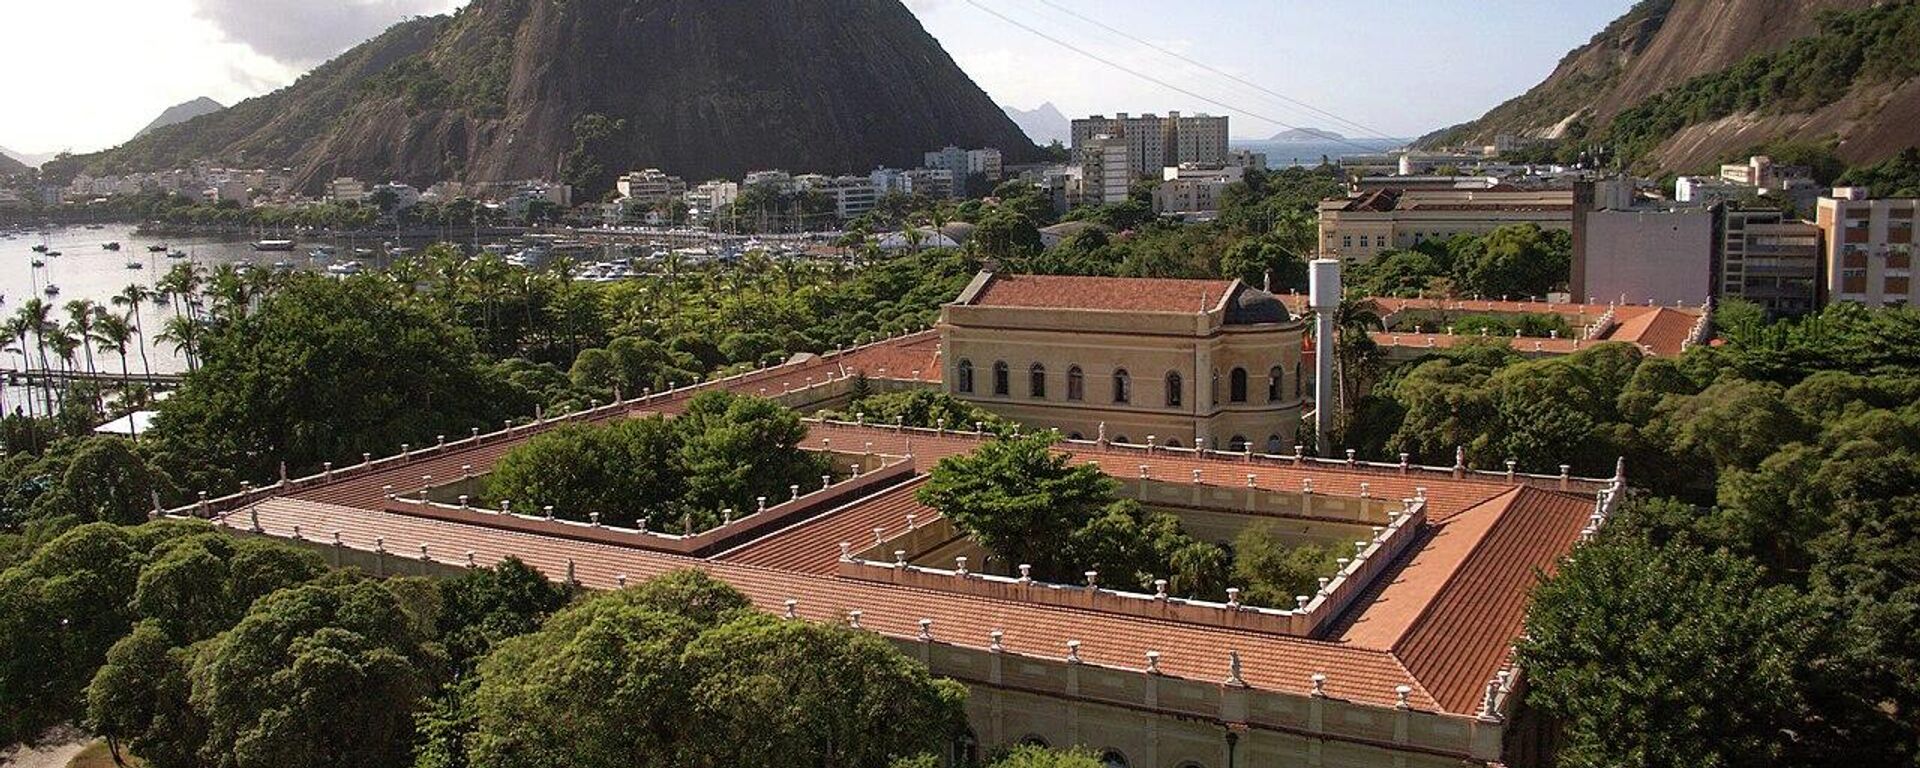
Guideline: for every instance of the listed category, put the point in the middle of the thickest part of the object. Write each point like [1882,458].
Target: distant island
[1307,134]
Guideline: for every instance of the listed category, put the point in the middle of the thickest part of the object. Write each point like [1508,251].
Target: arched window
[1173,442]
[1113,759]
[1122,386]
[965,383]
[1273,384]
[1037,381]
[1237,385]
[1122,440]
[965,749]
[1076,384]
[1299,375]
[1173,389]
[1033,740]
[1000,385]
[1237,444]
[1075,436]
[1273,444]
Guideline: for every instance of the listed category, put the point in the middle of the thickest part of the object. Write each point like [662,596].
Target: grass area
[96,755]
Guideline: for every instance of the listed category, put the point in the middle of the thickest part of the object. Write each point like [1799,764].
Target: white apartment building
[780,180]
[853,196]
[1107,171]
[965,162]
[1155,142]
[404,195]
[345,189]
[650,186]
[1868,248]
[1193,192]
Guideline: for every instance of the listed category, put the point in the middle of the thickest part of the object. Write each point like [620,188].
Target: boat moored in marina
[273,245]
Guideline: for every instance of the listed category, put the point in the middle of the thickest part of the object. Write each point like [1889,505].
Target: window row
[1121,389]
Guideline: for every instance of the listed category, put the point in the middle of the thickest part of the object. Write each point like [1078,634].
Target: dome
[1252,306]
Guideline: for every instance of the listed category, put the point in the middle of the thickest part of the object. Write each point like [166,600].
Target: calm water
[1281,154]
[84,270]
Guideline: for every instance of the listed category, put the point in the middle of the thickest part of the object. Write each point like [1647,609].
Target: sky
[88,74]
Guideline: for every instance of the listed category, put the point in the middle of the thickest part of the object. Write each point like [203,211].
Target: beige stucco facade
[1174,377]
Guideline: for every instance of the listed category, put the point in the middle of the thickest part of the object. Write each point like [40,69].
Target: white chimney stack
[1323,297]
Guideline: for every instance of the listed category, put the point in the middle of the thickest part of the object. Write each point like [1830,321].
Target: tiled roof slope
[1102,293]
[1272,662]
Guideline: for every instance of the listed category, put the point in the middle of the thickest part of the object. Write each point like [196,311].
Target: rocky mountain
[1306,134]
[1676,84]
[27,159]
[8,165]
[182,112]
[1044,124]
[586,89]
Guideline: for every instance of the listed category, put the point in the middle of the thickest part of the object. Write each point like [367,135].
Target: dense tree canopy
[325,370]
[681,671]
[723,452]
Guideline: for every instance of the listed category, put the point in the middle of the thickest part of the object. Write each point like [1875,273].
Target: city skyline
[1021,54]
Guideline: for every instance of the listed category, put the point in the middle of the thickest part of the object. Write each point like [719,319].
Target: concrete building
[1247,158]
[1868,248]
[345,189]
[932,182]
[853,196]
[1155,142]
[780,180]
[1646,255]
[1192,192]
[1357,228]
[1199,139]
[1124,359]
[650,187]
[709,196]
[404,195]
[1106,170]
[963,163]
[1706,190]
[1767,258]
[229,190]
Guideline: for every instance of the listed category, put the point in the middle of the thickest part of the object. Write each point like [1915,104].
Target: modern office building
[1768,258]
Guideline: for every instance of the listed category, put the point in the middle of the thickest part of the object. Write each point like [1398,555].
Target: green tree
[674,671]
[1032,756]
[1668,656]
[317,675]
[1021,499]
[325,370]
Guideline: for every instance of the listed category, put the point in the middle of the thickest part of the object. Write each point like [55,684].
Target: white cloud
[307,32]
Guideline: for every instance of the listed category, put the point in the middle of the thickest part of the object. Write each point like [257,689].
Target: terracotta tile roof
[1271,662]
[813,546]
[1440,620]
[1124,294]
[1465,631]
[1661,330]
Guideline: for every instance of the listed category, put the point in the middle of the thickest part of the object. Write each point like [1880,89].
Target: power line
[1151,78]
[1228,75]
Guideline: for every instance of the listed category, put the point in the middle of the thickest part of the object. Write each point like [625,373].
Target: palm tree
[81,316]
[38,317]
[112,333]
[184,334]
[130,298]
[18,329]
[229,290]
[181,284]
